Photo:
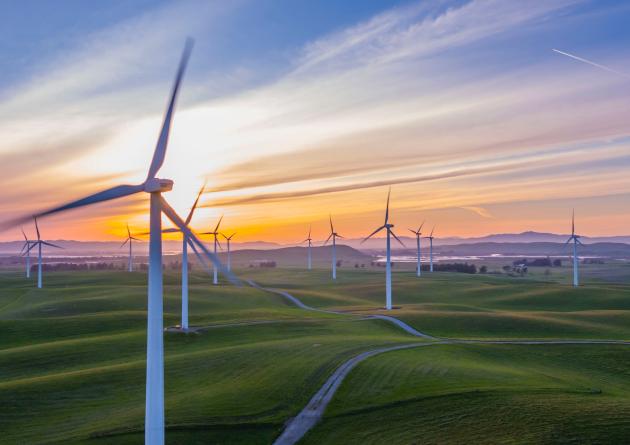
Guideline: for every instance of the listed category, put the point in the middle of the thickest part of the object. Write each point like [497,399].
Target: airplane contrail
[597,65]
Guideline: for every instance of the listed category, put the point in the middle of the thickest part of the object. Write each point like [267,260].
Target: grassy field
[72,359]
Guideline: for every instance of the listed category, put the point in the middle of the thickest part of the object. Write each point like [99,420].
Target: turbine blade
[328,239]
[192,209]
[573,223]
[332,229]
[309,232]
[397,239]
[128,231]
[24,234]
[123,244]
[387,208]
[372,234]
[338,236]
[169,230]
[413,231]
[51,244]
[420,228]
[37,228]
[216,229]
[431,236]
[135,239]
[193,239]
[160,148]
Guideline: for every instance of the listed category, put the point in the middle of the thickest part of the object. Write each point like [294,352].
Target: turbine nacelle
[158,185]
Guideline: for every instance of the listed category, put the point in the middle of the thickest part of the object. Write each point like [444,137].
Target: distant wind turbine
[129,240]
[309,240]
[430,238]
[418,234]
[154,411]
[388,266]
[229,255]
[26,251]
[39,243]
[576,240]
[185,243]
[334,235]
[215,233]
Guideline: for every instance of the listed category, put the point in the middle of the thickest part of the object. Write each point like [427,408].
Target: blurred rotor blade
[169,230]
[192,237]
[328,239]
[37,228]
[128,231]
[123,244]
[24,234]
[332,229]
[372,234]
[160,148]
[413,231]
[135,239]
[338,236]
[420,228]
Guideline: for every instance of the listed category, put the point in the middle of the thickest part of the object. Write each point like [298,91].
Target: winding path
[299,425]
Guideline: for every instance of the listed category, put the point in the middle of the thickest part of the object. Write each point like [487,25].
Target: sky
[294,110]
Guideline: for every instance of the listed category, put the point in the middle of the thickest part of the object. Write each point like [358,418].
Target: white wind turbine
[39,243]
[185,242]
[309,240]
[430,238]
[129,240]
[418,234]
[154,411]
[26,251]
[388,265]
[215,233]
[334,235]
[576,240]
[229,255]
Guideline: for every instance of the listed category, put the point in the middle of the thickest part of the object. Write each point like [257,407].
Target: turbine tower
[129,240]
[39,243]
[309,240]
[388,265]
[154,411]
[430,238]
[26,251]
[418,234]
[334,235]
[215,233]
[576,240]
[229,256]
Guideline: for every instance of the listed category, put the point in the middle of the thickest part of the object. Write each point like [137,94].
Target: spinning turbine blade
[170,230]
[24,234]
[328,239]
[332,229]
[37,228]
[175,219]
[160,148]
[128,231]
[573,223]
[420,228]
[123,244]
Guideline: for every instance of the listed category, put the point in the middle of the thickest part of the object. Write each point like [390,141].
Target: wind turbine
[229,259]
[430,238]
[154,411]
[309,240]
[334,235]
[215,233]
[26,251]
[388,265]
[185,242]
[39,243]
[129,240]
[418,234]
[576,240]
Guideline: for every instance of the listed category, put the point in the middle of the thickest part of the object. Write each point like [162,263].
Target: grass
[484,394]
[72,359]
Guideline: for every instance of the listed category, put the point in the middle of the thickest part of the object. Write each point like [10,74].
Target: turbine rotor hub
[158,185]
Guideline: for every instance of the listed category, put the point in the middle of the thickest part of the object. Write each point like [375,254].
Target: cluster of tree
[51,267]
[357,265]
[269,264]
[452,267]
[538,262]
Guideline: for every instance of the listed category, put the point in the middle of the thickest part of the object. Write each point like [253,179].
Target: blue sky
[297,108]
